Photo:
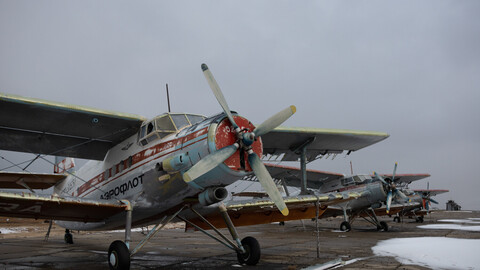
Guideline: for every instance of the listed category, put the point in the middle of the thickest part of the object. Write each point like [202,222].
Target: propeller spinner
[244,141]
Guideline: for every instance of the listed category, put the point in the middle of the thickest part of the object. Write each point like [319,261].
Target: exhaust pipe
[212,195]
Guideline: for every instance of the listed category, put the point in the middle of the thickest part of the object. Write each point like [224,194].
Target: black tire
[345,226]
[118,256]
[420,219]
[384,226]
[396,219]
[252,251]
[68,237]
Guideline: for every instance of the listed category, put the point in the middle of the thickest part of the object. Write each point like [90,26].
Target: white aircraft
[169,168]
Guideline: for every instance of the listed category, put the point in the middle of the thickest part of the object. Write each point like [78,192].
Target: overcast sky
[408,68]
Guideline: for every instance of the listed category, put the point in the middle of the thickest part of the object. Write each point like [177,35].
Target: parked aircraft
[376,192]
[172,167]
[419,206]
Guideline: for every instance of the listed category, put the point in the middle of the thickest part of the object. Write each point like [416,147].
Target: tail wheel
[384,226]
[345,226]
[118,256]
[252,251]
[68,237]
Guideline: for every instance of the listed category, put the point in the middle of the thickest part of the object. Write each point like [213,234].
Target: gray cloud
[407,68]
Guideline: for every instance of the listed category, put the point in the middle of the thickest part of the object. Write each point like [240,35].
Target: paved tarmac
[293,246]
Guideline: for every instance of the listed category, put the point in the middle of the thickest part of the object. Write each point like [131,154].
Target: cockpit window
[195,118]
[166,124]
[180,120]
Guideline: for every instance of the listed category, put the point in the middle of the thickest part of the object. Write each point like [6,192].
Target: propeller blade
[209,162]
[394,171]
[389,200]
[432,200]
[401,195]
[267,182]
[380,178]
[274,121]
[218,94]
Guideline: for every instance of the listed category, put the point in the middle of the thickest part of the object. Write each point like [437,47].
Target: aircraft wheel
[118,256]
[252,251]
[420,219]
[396,219]
[384,226]
[345,226]
[68,237]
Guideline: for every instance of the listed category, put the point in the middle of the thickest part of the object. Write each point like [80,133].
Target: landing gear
[68,237]
[419,219]
[345,226]
[383,226]
[118,256]
[397,219]
[252,251]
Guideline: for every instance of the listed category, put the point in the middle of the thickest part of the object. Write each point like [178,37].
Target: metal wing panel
[293,175]
[433,192]
[27,205]
[284,140]
[16,180]
[406,178]
[44,127]
[263,211]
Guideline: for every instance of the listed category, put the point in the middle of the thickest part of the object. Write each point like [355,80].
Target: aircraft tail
[64,165]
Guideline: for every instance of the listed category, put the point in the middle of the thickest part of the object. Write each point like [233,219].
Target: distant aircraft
[376,192]
[169,168]
[419,206]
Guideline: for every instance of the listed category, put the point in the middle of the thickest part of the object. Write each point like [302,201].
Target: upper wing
[263,211]
[406,178]
[293,175]
[433,192]
[27,205]
[287,141]
[19,180]
[44,127]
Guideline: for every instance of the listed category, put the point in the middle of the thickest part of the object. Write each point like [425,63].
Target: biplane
[153,171]
[376,192]
[419,206]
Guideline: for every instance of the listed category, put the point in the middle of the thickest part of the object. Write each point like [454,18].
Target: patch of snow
[470,221]
[432,252]
[450,227]
[350,262]
[12,230]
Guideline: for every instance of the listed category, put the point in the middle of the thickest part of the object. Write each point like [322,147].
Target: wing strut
[302,150]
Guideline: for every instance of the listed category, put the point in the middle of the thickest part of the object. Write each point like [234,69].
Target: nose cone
[225,136]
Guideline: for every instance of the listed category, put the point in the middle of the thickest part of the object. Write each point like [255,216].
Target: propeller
[426,200]
[244,142]
[392,189]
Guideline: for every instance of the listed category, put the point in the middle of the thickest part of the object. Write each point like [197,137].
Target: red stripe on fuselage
[141,156]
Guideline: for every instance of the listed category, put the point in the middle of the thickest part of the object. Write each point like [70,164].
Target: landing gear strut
[248,249]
